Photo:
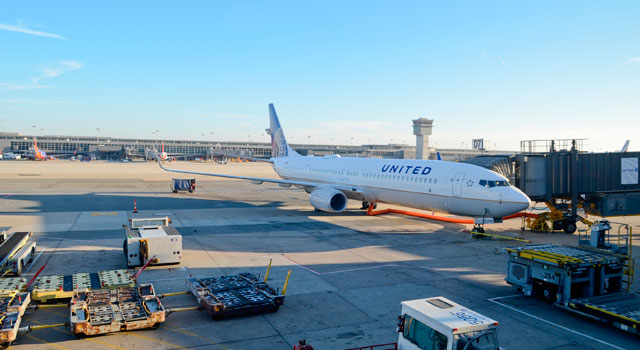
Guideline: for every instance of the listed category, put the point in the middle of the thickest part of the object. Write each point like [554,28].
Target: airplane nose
[524,202]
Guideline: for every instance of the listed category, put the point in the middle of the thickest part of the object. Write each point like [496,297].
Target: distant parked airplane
[39,154]
[456,188]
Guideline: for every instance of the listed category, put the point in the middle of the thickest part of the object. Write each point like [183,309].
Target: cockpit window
[492,183]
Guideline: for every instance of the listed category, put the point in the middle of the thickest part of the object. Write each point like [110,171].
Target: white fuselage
[456,188]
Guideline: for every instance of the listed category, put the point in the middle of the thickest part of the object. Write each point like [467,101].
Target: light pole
[308,140]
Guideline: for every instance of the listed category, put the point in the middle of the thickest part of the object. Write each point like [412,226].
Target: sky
[338,72]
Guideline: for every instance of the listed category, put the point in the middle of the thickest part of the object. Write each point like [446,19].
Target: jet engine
[328,199]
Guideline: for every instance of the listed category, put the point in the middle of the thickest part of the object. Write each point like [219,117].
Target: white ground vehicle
[439,323]
[152,238]
[21,257]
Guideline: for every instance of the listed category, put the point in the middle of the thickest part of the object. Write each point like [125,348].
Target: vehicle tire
[156,325]
[569,226]
[365,205]
[549,293]
[5,345]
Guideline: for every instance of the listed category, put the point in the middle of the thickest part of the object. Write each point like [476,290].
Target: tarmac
[350,270]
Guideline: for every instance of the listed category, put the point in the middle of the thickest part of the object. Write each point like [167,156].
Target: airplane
[625,147]
[434,185]
[38,154]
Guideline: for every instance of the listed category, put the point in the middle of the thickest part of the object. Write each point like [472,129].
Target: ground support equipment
[115,310]
[12,307]
[59,287]
[585,280]
[183,185]
[9,284]
[621,310]
[13,244]
[235,295]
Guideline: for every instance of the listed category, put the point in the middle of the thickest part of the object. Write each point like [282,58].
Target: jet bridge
[571,181]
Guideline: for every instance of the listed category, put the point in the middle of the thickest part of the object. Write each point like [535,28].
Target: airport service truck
[152,238]
[439,323]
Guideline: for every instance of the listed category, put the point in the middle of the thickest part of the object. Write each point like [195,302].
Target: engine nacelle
[328,199]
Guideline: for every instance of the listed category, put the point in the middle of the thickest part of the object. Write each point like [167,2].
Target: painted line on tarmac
[353,269]
[493,300]
[45,342]
[33,263]
[6,195]
[175,346]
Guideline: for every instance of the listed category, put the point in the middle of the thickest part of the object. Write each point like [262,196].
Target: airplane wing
[349,190]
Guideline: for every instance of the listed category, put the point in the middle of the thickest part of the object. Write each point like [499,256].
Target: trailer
[183,185]
[12,307]
[60,288]
[235,295]
[152,238]
[585,280]
[115,310]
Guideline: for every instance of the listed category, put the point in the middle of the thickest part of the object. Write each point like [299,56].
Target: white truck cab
[440,324]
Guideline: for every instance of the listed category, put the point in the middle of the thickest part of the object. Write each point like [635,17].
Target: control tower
[422,129]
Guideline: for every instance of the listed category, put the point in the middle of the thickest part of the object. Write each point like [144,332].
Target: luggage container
[183,185]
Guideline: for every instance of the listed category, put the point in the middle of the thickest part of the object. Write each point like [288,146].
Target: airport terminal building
[122,148]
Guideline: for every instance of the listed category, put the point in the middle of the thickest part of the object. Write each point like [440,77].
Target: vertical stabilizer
[279,146]
[625,147]
[35,144]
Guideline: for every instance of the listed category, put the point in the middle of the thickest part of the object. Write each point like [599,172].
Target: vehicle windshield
[423,336]
[479,340]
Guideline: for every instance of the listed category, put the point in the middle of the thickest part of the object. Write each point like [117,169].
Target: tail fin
[162,146]
[625,148]
[439,157]
[279,146]
[35,144]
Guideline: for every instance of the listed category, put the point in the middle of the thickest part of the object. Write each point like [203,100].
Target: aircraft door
[456,184]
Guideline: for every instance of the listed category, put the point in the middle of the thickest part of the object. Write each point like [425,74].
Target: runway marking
[105,344]
[353,269]
[33,263]
[180,330]
[493,300]
[93,340]
[111,213]
[45,342]
[5,195]
[175,346]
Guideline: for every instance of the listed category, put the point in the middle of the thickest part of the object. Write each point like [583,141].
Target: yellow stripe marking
[45,342]
[105,344]
[185,332]
[154,340]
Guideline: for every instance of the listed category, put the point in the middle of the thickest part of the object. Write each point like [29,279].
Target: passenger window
[422,335]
